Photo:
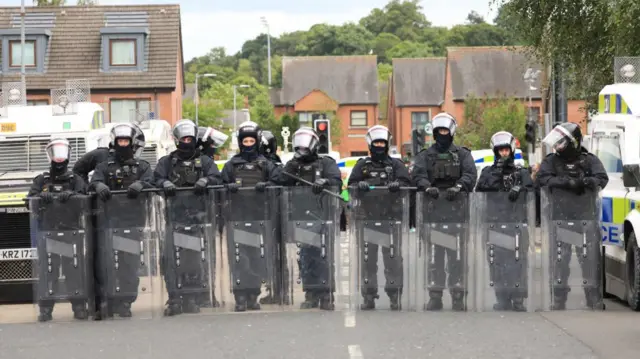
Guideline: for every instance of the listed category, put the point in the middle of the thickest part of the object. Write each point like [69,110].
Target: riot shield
[379,225]
[250,227]
[311,227]
[188,251]
[445,251]
[126,270]
[64,269]
[505,251]
[571,225]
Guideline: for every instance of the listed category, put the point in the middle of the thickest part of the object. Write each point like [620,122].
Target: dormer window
[123,52]
[15,53]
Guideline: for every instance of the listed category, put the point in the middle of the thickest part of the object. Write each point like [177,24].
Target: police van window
[607,148]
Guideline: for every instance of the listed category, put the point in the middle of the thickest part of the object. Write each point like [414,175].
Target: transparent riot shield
[570,226]
[188,251]
[128,283]
[445,251]
[379,225]
[251,251]
[311,228]
[64,269]
[504,234]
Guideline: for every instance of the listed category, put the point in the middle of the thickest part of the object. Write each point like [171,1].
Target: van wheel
[633,273]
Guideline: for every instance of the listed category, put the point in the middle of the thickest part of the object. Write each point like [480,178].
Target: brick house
[132,55]
[344,87]
[466,71]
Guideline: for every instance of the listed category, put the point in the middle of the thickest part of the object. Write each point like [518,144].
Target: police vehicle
[614,135]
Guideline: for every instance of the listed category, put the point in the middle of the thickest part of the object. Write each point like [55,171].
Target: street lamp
[266,24]
[530,77]
[198,92]
[235,87]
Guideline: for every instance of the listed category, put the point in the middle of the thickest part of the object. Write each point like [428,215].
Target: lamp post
[530,77]
[235,95]
[266,24]
[198,92]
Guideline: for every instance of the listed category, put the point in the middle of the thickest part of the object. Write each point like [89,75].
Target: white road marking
[355,352]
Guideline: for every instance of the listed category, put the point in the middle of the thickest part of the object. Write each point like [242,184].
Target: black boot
[79,311]
[46,314]
[326,301]
[394,300]
[369,301]
[518,305]
[174,307]
[124,310]
[502,302]
[190,305]
[457,301]
[435,301]
[593,299]
[559,303]
[252,302]
[310,300]
[241,303]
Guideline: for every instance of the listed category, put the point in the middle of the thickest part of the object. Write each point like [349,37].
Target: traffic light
[322,128]
[530,134]
[417,141]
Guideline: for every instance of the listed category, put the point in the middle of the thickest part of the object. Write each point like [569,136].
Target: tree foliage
[485,116]
[585,35]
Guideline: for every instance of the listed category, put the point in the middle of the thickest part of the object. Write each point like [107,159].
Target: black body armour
[511,178]
[309,171]
[578,168]
[185,173]
[447,168]
[377,174]
[121,176]
[58,184]
[249,174]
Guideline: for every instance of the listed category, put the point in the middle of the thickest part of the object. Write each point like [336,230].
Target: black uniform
[120,175]
[452,170]
[89,161]
[315,271]
[575,175]
[172,171]
[63,185]
[509,276]
[381,173]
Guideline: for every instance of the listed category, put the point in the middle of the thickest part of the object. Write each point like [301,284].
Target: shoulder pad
[362,159]
[549,155]
[465,148]
[329,158]
[423,150]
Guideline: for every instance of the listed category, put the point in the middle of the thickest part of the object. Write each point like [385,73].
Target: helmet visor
[305,140]
[217,137]
[559,138]
[378,134]
[444,122]
[503,139]
[185,130]
[58,152]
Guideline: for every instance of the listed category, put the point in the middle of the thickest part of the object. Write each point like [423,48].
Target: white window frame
[351,119]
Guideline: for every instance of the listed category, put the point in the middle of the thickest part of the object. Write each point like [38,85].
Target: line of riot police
[278,237]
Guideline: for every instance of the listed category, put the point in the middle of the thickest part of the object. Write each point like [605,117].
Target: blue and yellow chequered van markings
[347,164]
[618,104]
[488,159]
[615,210]
[98,120]
[610,103]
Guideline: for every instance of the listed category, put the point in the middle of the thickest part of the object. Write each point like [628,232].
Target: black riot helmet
[123,131]
[378,138]
[443,121]
[268,144]
[139,141]
[565,139]
[58,152]
[210,139]
[252,130]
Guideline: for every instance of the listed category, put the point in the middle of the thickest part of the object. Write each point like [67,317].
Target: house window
[37,102]
[304,119]
[15,53]
[359,153]
[419,120]
[358,118]
[122,111]
[122,52]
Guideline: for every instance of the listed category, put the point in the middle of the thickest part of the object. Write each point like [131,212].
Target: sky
[211,23]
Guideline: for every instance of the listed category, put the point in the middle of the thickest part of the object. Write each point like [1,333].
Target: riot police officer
[209,140]
[323,173]
[123,171]
[91,159]
[379,169]
[451,169]
[269,147]
[58,184]
[249,168]
[572,168]
[505,176]
[185,167]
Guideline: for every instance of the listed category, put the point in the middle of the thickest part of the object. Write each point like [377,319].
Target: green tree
[383,43]
[49,2]
[475,19]
[485,116]
[209,112]
[292,123]
[87,2]
[409,49]
[404,19]
[482,34]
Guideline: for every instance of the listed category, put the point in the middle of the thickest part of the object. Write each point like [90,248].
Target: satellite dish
[628,71]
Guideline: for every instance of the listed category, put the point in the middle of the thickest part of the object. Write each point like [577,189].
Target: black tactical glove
[452,192]
[103,191]
[319,185]
[514,193]
[590,183]
[135,189]
[233,187]
[169,188]
[64,196]
[47,197]
[394,187]
[433,192]
[201,186]
[422,185]
[363,186]
[261,186]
